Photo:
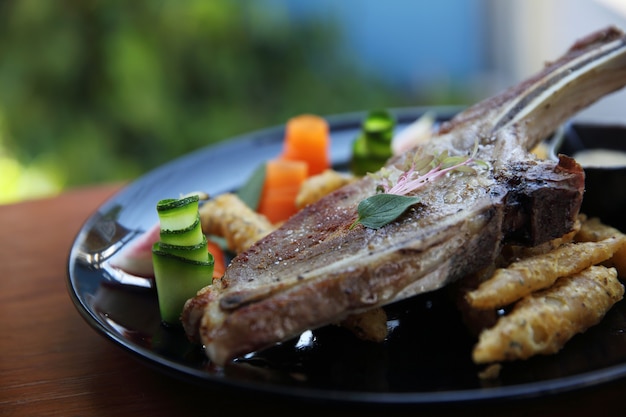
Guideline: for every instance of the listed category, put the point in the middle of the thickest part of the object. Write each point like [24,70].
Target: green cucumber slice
[178,214]
[372,147]
[362,161]
[378,131]
[177,280]
[189,236]
[198,252]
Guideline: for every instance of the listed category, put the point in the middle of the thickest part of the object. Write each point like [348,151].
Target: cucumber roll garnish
[372,147]
[182,263]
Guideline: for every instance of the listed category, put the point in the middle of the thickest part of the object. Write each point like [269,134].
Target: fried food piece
[541,151]
[478,319]
[319,185]
[593,230]
[543,322]
[490,372]
[370,325]
[521,278]
[229,217]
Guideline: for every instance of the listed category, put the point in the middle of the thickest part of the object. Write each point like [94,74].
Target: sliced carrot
[219,267]
[283,179]
[307,139]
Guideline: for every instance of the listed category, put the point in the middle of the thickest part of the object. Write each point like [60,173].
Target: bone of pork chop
[316,270]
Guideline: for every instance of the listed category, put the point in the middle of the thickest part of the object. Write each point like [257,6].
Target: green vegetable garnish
[177,214]
[197,252]
[182,262]
[188,236]
[177,280]
[250,191]
[372,147]
[383,208]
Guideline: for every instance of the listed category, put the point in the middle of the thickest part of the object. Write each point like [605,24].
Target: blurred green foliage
[94,91]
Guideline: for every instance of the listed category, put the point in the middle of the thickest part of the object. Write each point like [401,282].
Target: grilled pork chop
[317,270]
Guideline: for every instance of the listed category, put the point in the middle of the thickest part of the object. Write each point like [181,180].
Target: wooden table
[53,363]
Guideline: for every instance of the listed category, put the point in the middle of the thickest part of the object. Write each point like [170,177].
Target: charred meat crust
[543,202]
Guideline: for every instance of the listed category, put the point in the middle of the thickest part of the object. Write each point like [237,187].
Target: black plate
[605,194]
[426,358]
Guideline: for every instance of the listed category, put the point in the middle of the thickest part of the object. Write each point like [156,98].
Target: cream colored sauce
[601,158]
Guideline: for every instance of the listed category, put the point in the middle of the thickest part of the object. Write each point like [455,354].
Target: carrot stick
[219,266]
[283,179]
[307,139]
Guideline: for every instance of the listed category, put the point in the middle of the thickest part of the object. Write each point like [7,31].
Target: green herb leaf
[465,169]
[452,161]
[381,209]
[423,164]
[250,191]
[481,163]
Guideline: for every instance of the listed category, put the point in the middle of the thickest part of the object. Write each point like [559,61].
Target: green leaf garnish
[380,209]
[250,191]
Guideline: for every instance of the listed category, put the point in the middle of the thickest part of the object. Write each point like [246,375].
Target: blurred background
[95,91]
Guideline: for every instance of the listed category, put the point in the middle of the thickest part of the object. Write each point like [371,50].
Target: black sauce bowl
[605,187]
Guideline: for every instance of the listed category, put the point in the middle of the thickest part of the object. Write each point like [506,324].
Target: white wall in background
[526,33]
